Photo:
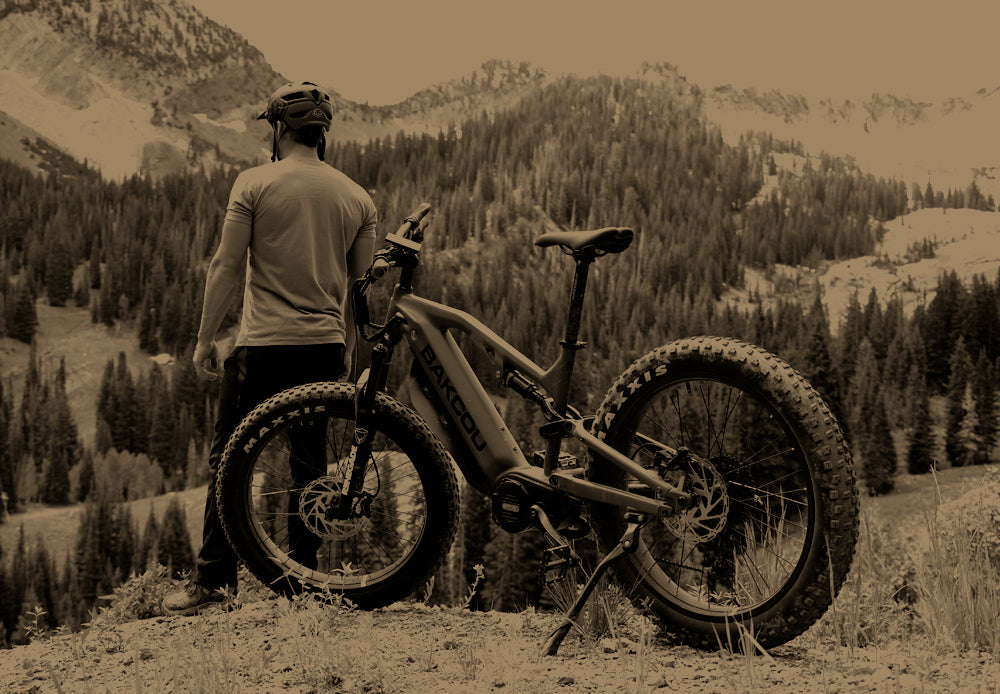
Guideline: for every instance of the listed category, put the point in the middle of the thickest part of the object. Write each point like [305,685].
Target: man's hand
[206,360]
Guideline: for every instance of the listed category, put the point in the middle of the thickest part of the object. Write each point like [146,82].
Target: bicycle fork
[364,429]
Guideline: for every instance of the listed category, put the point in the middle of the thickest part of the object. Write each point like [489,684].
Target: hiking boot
[193,599]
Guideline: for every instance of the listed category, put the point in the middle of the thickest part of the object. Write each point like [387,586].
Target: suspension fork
[364,422]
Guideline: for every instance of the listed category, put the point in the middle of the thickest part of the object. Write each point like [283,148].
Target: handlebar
[402,249]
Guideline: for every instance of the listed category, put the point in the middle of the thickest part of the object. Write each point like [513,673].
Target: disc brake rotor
[315,500]
[706,515]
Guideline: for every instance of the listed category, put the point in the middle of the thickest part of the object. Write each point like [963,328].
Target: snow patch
[235,125]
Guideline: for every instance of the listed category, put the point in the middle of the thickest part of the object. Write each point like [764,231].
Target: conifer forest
[579,154]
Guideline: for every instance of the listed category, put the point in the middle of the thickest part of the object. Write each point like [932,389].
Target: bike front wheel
[280,481]
[771,529]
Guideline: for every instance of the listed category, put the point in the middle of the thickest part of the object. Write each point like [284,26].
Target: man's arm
[221,283]
[359,259]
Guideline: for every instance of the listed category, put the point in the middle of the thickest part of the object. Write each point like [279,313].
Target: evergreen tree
[920,441]
[174,546]
[6,461]
[58,274]
[55,487]
[69,601]
[85,477]
[475,529]
[817,366]
[942,327]
[44,584]
[22,317]
[19,579]
[880,453]
[955,445]
[984,397]
[148,550]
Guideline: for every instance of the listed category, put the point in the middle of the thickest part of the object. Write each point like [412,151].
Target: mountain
[950,143]
[155,86]
[130,85]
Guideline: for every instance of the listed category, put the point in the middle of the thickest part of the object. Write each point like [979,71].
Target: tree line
[40,594]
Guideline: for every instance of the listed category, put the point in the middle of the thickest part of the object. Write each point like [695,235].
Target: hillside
[949,143]
[271,644]
[67,333]
[965,241]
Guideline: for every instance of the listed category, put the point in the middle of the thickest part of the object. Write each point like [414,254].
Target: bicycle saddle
[598,241]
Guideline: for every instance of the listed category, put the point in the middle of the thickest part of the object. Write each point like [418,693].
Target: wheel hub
[318,502]
[705,517]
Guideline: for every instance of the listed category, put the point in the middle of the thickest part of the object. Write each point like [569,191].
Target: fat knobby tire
[395,421]
[829,466]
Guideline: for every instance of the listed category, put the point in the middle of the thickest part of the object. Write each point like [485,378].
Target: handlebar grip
[411,221]
[380,267]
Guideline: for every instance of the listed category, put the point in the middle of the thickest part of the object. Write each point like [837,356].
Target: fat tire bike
[715,480]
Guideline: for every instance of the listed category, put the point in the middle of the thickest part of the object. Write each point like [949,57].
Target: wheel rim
[752,559]
[291,485]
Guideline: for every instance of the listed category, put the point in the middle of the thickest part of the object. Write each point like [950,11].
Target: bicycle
[716,481]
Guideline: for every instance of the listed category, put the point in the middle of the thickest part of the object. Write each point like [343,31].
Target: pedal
[558,557]
[556,563]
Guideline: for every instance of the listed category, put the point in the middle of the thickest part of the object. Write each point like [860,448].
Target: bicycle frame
[490,449]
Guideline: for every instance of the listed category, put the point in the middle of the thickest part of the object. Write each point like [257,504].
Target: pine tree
[880,453]
[475,528]
[817,366]
[58,274]
[85,477]
[920,442]
[6,461]
[955,445]
[863,391]
[43,582]
[55,485]
[174,545]
[19,580]
[148,550]
[984,396]
[22,317]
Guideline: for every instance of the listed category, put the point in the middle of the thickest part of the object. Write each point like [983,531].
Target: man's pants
[251,375]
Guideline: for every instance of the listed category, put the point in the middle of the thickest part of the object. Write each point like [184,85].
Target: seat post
[570,344]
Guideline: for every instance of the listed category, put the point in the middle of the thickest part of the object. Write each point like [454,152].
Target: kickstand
[625,545]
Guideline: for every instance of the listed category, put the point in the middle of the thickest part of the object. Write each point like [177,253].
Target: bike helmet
[295,105]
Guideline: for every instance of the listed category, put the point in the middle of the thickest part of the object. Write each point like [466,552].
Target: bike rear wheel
[281,477]
[773,522]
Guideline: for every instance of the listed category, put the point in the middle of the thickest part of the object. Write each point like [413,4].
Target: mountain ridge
[178,91]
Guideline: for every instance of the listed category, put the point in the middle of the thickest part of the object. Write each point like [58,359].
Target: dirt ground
[273,645]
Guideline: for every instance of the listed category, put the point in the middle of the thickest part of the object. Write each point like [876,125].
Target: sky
[381,52]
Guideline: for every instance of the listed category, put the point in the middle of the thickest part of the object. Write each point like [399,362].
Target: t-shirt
[304,216]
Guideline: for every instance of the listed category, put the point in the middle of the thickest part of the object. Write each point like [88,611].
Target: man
[306,231]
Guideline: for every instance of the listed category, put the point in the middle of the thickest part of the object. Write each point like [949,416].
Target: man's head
[304,111]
